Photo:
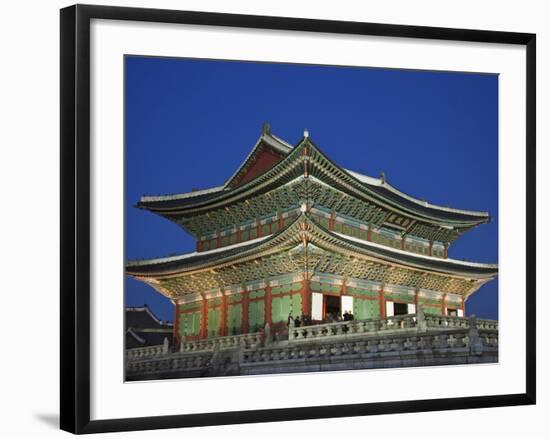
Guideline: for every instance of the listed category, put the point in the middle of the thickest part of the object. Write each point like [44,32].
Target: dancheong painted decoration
[295,253]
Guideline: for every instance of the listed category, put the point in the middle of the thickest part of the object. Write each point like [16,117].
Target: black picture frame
[75,217]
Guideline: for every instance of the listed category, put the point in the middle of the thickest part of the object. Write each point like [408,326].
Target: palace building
[293,233]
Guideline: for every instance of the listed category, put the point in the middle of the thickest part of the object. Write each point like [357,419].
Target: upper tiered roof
[275,167]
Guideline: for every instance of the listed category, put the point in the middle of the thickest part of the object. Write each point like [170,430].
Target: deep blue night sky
[190,124]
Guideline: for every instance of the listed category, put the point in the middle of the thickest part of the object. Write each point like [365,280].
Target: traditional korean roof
[302,244]
[284,165]
[144,328]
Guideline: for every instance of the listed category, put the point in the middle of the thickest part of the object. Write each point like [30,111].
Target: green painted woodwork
[234,319]
[256,294]
[190,306]
[253,233]
[213,322]
[189,324]
[428,301]
[286,288]
[362,292]
[215,301]
[456,305]
[331,288]
[325,288]
[434,310]
[256,315]
[245,235]
[365,308]
[296,304]
[234,298]
[280,308]
[399,297]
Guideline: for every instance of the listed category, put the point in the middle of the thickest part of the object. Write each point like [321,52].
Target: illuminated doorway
[332,306]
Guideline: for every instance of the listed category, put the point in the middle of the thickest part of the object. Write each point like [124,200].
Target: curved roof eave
[317,234]
[382,190]
[371,181]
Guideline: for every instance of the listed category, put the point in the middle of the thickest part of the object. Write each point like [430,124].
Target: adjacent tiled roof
[143,317]
[143,328]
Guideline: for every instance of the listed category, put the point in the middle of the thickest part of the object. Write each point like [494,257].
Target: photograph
[288,218]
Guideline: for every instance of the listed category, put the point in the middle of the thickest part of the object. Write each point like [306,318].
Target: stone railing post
[267,334]
[291,329]
[421,320]
[476,345]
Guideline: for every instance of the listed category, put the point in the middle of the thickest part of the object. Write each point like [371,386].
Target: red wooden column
[463,308]
[258,228]
[244,319]
[369,233]
[176,333]
[267,304]
[204,316]
[443,307]
[239,233]
[306,297]
[381,302]
[403,239]
[223,319]
[416,300]
[331,221]
[430,248]
[446,251]
[343,292]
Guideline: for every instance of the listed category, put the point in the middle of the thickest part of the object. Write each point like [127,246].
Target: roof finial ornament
[306,133]
[266,128]
[382,177]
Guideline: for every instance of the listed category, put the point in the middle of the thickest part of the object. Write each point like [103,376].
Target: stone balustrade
[146,352]
[397,341]
[458,341]
[441,322]
[373,326]
[351,328]
[225,342]
[168,363]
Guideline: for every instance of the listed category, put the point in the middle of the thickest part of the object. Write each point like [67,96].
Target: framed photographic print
[257,206]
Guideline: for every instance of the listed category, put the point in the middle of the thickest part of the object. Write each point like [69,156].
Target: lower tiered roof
[304,246]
